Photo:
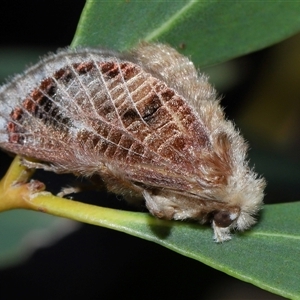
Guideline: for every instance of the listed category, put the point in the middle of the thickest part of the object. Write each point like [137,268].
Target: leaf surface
[209,31]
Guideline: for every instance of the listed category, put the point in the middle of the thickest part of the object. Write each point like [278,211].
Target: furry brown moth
[145,121]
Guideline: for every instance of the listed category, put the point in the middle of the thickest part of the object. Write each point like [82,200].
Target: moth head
[223,221]
[225,218]
[245,191]
[241,202]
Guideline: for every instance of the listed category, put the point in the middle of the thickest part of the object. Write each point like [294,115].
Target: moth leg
[221,234]
[69,190]
[81,187]
[222,223]
[159,206]
[41,165]
[171,206]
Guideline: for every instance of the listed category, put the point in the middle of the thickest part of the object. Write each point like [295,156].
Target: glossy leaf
[22,232]
[209,31]
[266,256]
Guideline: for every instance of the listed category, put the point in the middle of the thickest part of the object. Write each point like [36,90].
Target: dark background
[94,262]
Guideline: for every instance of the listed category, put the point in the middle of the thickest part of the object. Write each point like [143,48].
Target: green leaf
[14,60]
[22,232]
[266,256]
[209,31]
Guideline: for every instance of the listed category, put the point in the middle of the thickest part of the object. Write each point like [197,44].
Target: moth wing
[176,70]
[39,115]
[94,112]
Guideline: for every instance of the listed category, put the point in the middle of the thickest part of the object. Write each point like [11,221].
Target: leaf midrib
[167,24]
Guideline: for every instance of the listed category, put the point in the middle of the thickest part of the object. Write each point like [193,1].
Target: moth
[146,121]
